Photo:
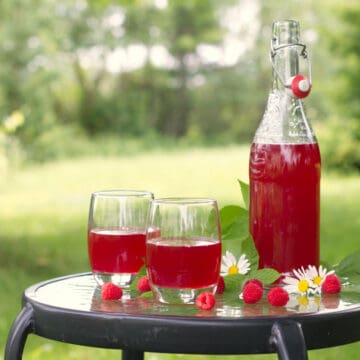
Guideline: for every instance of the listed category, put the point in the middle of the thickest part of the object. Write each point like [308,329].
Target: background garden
[163,95]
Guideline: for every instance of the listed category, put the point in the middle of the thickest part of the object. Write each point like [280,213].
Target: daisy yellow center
[233,269]
[303,285]
[303,301]
[317,280]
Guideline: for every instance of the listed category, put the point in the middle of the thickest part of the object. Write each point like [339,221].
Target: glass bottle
[285,164]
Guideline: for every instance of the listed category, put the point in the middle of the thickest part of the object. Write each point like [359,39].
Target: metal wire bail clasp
[299,85]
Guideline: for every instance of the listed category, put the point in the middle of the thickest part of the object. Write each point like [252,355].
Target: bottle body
[285,204]
[284,172]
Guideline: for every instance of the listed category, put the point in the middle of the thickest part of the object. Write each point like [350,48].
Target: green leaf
[267,276]
[235,227]
[326,265]
[146,295]
[211,225]
[350,292]
[233,284]
[140,274]
[349,267]
[244,192]
[237,230]
[248,248]
[230,214]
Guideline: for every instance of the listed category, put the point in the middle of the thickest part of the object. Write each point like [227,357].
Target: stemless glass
[117,233]
[183,256]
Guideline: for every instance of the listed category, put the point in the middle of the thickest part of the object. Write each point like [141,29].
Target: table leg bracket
[132,355]
[22,326]
[287,339]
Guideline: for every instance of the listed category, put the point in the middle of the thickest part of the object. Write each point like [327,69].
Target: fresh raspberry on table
[205,301]
[331,284]
[143,284]
[277,296]
[254,281]
[220,285]
[252,293]
[110,291]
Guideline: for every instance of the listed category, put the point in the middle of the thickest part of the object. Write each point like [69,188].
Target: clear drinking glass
[183,256]
[117,233]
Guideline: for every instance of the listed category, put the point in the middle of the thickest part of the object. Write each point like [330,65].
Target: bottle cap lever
[299,85]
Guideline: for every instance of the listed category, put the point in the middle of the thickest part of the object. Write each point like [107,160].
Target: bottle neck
[286,63]
[284,120]
[284,52]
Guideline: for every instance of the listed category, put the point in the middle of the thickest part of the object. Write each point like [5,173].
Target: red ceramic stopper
[300,86]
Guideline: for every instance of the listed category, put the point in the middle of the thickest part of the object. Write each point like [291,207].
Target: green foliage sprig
[237,239]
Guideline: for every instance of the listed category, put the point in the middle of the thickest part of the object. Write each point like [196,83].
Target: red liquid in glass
[173,265]
[117,250]
[285,204]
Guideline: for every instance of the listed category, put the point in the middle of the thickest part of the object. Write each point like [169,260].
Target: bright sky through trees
[240,23]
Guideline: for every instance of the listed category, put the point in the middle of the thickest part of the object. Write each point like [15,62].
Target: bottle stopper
[299,86]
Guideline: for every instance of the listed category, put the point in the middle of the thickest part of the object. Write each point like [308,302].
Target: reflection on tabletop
[83,294]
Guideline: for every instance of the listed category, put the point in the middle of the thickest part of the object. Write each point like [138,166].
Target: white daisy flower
[299,283]
[230,266]
[317,276]
[300,273]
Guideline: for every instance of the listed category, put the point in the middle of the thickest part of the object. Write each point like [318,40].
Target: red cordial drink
[285,166]
[172,264]
[117,250]
[284,212]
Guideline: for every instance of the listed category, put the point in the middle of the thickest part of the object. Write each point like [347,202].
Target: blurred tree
[85,41]
[349,48]
[189,23]
[341,132]
[179,28]
[149,88]
[63,66]
[26,71]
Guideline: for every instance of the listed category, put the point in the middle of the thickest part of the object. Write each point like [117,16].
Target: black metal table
[70,309]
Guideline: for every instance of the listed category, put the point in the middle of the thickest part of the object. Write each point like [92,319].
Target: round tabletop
[70,309]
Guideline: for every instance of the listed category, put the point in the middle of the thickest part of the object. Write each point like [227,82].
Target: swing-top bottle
[285,163]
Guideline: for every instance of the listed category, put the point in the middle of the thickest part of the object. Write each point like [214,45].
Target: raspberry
[331,285]
[220,286]
[277,296]
[205,301]
[143,284]
[255,281]
[252,293]
[109,291]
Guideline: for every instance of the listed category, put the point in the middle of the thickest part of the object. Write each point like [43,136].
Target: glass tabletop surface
[81,293]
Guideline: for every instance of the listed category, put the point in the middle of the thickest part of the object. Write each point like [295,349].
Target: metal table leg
[288,340]
[22,326]
[132,355]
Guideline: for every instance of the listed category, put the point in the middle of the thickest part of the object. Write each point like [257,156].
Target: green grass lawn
[44,210]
